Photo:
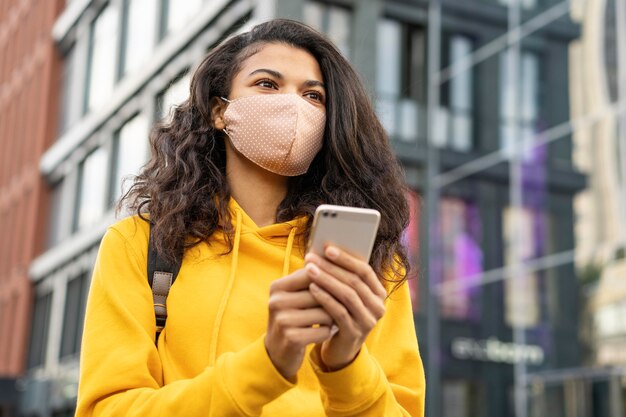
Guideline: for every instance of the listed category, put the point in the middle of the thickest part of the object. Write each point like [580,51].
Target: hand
[292,314]
[349,290]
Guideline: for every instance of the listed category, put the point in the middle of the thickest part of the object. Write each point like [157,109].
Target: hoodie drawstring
[290,240]
[229,288]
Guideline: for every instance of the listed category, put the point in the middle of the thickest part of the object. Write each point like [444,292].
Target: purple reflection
[462,259]
[534,193]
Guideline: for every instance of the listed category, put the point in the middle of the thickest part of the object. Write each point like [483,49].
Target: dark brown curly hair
[355,167]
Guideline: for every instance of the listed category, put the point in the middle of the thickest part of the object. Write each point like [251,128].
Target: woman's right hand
[292,314]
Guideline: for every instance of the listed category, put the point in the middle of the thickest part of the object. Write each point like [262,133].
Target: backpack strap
[161,276]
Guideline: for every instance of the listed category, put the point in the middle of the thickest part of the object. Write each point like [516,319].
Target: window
[75,300]
[461,259]
[140,32]
[178,16]
[401,80]
[39,331]
[92,191]
[55,234]
[521,296]
[175,94]
[102,57]
[71,87]
[331,20]
[521,122]
[131,153]
[525,4]
[463,398]
[458,96]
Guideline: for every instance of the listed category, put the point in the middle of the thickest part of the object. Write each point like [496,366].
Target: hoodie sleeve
[387,376]
[120,368]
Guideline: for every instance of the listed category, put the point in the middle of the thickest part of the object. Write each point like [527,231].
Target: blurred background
[509,117]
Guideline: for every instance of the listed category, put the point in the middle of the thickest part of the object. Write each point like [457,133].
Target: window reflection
[401,80]
[459,97]
[519,119]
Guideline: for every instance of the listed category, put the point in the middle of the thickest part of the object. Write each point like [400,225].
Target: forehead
[293,63]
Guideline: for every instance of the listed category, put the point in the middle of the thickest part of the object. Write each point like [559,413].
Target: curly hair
[355,167]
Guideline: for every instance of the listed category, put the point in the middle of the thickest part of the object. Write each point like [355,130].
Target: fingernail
[332,252]
[313,270]
[308,257]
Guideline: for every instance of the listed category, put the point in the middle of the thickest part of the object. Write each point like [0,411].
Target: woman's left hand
[350,292]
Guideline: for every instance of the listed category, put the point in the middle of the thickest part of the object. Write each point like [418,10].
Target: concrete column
[366,14]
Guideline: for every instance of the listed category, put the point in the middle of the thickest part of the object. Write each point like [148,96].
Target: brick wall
[29,82]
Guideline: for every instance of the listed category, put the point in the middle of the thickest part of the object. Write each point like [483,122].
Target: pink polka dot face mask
[281,133]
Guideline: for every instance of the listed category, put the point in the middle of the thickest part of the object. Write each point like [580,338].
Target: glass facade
[506,119]
[400,80]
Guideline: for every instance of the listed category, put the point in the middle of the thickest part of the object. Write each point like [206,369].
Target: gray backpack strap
[161,276]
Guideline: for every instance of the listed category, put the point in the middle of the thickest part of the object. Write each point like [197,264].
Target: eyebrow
[276,74]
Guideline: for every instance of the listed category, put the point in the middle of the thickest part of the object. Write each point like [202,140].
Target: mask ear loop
[225,130]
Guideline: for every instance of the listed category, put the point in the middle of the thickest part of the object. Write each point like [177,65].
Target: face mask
[281,133]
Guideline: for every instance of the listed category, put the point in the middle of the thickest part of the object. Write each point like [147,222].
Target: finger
[282,300]
[372,301]
[307,335]
[299,280]
[340,314]
[358,266]
[303,318]
[343,293]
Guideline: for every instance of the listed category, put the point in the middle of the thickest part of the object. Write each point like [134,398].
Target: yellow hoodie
[211,358]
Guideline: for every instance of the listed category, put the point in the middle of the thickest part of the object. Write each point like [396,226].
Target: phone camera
[325,214]
[333,214]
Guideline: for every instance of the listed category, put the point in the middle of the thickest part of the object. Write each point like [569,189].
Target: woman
[277,123]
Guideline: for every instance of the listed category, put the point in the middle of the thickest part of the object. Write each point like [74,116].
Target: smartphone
[349,228]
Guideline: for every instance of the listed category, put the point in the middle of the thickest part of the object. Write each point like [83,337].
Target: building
[600,151]
[488,336]
[29,69]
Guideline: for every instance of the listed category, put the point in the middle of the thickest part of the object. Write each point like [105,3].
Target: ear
[218,107]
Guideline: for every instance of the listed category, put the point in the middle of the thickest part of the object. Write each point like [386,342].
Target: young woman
[277,123]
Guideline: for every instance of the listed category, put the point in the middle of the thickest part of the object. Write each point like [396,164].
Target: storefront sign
[494,350]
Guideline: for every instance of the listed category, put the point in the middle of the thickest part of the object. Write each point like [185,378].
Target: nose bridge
[291,88]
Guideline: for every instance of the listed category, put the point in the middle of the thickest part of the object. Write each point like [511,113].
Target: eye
[315,95]
[266,83]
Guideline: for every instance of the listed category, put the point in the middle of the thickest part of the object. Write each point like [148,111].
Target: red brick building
[29,73]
